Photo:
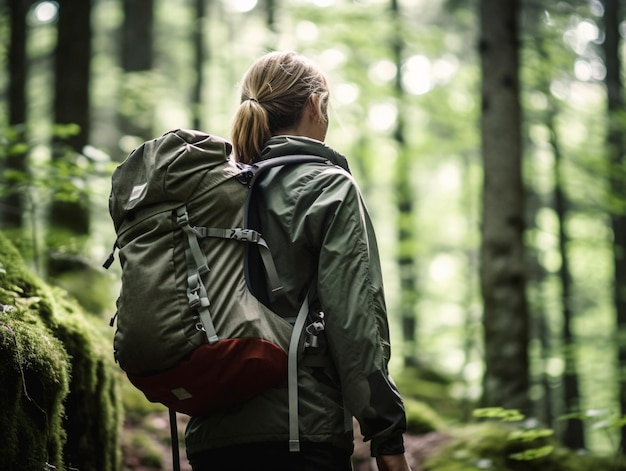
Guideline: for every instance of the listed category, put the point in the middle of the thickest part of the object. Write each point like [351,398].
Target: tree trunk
[137,93]
[70,219]
[199,59]
[574,434]
[616,146]
[503,279]
[405,205]
[12,205]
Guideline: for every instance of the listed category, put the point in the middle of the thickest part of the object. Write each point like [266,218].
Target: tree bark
[616,145]
[574,434]
[70,219]
[405,205]
[137,93]
[199,59]
[12,205]
[503,278]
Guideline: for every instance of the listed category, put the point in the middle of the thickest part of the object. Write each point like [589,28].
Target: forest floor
[147,446]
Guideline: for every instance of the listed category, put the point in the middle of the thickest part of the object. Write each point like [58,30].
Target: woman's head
[277,91]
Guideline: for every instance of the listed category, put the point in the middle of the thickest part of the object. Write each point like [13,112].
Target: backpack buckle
[248,235]
[182,218]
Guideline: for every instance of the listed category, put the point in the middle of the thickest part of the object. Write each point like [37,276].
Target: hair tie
[253,99]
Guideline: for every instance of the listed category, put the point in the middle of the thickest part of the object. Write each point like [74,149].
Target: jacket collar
[279,146]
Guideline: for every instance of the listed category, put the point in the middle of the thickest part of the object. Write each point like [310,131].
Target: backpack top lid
[153,173]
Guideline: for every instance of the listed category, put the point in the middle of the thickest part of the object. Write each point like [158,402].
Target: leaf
[530,435]
[533,453]
[63,131]
[506,415]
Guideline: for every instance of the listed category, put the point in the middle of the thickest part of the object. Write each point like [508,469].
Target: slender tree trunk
[12,205]
[405,204]
[616,144]
[270,15]
[70,219]
[199,58]
[503,278]
[136,106]
[574,435]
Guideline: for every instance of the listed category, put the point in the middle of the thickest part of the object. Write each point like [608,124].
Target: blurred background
[487,138]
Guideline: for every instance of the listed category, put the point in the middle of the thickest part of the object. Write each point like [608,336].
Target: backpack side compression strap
[196,267]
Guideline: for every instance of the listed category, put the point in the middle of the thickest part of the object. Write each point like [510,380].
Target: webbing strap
[292,375]
[248,235]
[174,435]
[196,267]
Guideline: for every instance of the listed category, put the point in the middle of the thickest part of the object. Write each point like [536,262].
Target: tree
[199,60]
[616,145]
[573,434]
[69,217]
[404,200]
[506,325]
[11,207]
[136,101]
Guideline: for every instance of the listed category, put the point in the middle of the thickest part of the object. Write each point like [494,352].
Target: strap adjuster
[248,235]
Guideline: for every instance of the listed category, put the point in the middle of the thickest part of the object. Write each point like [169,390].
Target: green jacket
[317,226]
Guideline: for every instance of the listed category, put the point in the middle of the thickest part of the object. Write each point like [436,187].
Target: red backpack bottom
[227,372]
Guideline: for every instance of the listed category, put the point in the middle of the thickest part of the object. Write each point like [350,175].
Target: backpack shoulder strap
[258,278]
[254,171]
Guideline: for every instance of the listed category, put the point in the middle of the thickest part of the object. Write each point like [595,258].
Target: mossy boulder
[60,395]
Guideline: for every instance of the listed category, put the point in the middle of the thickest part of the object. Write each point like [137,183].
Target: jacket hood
[278,146]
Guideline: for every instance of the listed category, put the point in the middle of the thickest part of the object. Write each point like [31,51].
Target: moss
[70,420]
[421,418]
[35,383]
[491,446]
[422,384]
[136,406]
[93,402]
[147,452]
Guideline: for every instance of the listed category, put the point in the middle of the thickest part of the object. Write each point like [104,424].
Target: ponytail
[250,130]
[274,94]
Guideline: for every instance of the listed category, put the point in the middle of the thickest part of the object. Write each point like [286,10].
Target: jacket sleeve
[350,290]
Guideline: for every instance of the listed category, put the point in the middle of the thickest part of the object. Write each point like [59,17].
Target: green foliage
[506,415]
[60,389]
[146,450]
[38,173]
[501,447]
[421,418]
[426,386]
[136,406]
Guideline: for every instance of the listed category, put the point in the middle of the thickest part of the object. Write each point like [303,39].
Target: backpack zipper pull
[111,258]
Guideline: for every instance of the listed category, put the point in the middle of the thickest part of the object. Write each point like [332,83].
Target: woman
[320,236]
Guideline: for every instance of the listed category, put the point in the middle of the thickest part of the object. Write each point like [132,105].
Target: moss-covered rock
[34,372]
[60,386]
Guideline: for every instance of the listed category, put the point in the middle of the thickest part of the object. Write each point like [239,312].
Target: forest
[487,136]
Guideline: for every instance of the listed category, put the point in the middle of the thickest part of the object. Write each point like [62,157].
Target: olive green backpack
[190,334]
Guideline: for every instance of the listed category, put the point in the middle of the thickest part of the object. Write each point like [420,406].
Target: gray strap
[174,435]
[248,235]
[292,375]
[196,267]
[270,268]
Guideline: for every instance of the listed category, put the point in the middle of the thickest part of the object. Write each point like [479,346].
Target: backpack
[190,332]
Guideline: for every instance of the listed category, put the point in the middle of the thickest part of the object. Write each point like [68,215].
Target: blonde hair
[274,93]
